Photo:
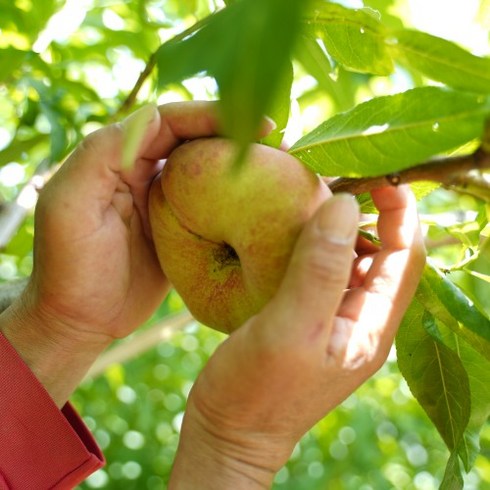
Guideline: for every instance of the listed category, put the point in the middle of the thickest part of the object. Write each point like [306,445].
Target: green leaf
[453,479]
[28,18]
[478,370]
[58,134]
[354,38]
[386,9]
[482,262]
[279,112]
[441,60]
[424,338]
[10,60]
[313,59]
[444,300]
[390,133]
[47,105]
[246,47]
[434,374]
[18,147]
[134,131]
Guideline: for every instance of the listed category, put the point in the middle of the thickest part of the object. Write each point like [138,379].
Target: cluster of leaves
[444,344]
[55,88]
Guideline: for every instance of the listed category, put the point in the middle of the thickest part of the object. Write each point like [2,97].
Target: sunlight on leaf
[248,67]
[353,37]
[360,142]
[442,60]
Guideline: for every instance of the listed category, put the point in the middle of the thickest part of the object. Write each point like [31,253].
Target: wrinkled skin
[96,276]
[327,330]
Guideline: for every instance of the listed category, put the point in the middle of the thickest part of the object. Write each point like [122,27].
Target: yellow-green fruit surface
[224,235]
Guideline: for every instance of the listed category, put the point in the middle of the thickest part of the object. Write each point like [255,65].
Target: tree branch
[13,214]
[136,345]
[131,98]
[150,65]
[463,173]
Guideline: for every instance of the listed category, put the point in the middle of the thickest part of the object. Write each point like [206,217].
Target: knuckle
[328,262]
[97,140]
[356,350]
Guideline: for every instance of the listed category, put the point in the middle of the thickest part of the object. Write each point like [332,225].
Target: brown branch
[130,100]
[130,348]
[452,172]
[13,214]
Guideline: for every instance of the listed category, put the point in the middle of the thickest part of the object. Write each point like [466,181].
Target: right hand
[309,349]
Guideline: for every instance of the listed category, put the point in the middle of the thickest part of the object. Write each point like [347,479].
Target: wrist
[209,458]
[57,356]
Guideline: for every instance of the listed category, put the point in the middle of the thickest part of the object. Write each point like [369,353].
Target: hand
[309,349]
[96,276]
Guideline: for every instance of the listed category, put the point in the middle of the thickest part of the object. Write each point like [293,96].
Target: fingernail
[339,219]
[267,126]
[134,127]
[272,124]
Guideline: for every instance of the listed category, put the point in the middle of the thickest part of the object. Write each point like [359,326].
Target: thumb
[139,129]
[108,150]
[320,267]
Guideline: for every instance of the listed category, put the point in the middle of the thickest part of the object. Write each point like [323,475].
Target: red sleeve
[41,447]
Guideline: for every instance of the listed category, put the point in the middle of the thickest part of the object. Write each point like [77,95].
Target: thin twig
[131,98]
[150,65]
[129,349]
[451,172]
[13,214]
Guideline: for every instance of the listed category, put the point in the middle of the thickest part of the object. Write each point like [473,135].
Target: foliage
[360,93]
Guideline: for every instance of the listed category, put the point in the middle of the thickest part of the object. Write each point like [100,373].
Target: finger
[179,121]
[187,121]
[319,270]
[365,246]
[401,243]
[398,223]
[360,268]
[182,121]
[100,153]
[389,285]
[364,255]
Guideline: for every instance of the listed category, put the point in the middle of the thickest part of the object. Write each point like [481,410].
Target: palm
[316,341]
[97,265]
[95,269]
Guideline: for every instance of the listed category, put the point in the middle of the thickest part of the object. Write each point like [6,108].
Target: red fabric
[41,447]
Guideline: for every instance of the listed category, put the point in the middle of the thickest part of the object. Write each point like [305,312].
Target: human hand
[96,276]
[328,329]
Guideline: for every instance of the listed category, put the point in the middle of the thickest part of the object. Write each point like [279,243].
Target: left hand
[95,268]
[96,276]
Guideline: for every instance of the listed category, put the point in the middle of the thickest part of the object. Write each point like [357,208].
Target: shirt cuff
[41,447]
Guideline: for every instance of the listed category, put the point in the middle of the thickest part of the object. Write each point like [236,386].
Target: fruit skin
[224,235]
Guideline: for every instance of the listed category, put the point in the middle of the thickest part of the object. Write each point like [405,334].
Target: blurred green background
[377,439]
[68,67]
